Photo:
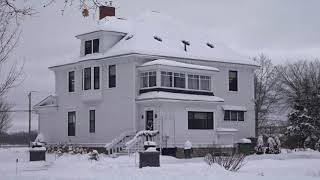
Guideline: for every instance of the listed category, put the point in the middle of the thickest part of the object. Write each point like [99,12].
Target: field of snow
[295,165]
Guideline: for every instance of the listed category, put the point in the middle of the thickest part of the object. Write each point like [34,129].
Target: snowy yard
[295,165]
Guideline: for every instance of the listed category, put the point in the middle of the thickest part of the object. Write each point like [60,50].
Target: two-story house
[150,73]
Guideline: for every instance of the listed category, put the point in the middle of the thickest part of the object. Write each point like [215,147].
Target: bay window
[166,79]
[148,79]
[193,81]
[205,83]
[179,80]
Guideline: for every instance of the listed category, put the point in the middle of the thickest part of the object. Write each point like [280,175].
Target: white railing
[137,142]
[118,143]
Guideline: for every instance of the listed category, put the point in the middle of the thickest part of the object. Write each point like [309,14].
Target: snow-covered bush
[259,147]
[277,148]
[233,162]
[208,159]
[271,146]
[94,155]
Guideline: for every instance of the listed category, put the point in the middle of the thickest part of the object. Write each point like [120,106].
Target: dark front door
[149,120]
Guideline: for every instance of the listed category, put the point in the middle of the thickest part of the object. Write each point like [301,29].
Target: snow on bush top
[171,32]
[245,140]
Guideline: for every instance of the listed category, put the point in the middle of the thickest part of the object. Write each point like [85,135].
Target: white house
[150,73]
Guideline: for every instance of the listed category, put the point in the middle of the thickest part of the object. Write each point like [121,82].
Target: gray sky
[284,30]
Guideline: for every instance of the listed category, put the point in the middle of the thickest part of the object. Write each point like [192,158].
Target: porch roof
[159,95]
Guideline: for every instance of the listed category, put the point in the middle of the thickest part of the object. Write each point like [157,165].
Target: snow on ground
[295,165]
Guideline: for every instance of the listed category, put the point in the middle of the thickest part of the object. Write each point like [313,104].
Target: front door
[149,120]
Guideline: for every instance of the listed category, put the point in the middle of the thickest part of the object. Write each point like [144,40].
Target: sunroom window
[166,79]
[205,83]
[193,81]
[179,80]
[148,79]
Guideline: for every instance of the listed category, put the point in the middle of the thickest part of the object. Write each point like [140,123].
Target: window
[179,80]
[72,123]
[112,76]
[166,79]
[91,46]
[193,82]
[233,81]
[87,47]
[92,121]
[95,48]
[71,81]
[148,79]
[87,78]
[233,115]
[96,77]
[200,120]
[205,83]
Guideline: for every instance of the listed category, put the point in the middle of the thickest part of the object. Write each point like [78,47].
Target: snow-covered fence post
[17,160]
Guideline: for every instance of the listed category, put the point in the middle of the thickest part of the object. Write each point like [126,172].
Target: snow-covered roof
[177,96]
[165,62]
[153,33]
[234,108]
[50,101]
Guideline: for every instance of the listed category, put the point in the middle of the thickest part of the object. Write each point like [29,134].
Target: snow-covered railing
[119,140]
[139,135]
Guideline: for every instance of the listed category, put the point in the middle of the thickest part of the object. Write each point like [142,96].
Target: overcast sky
[284,30]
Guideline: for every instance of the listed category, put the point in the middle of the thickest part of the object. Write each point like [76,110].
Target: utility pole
[29,97]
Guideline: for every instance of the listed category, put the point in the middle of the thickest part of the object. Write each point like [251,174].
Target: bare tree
[266,85]
[10,17]
[5,120]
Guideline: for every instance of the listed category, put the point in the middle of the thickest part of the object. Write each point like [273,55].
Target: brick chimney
[106,11]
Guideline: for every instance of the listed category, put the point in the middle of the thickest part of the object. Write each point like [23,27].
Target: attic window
[129,37]
[157,38]
[186,43]
[210,45]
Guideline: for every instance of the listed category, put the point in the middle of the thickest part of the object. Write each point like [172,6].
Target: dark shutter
[96,77]
[71,81]
[112,76]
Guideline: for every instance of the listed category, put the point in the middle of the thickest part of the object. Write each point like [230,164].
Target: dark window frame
[112,76]
[71,81]
[72,123]
[239,115]
[91,46]
[179,80]
[196,123]
[87,78]
[92,121]
[96,77]
[233,81]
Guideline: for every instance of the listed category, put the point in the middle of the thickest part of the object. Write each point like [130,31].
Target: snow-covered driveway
[297,165]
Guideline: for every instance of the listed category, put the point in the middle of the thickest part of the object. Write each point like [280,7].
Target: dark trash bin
[149,159]
[245,146]
[187,153]
[37,154]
